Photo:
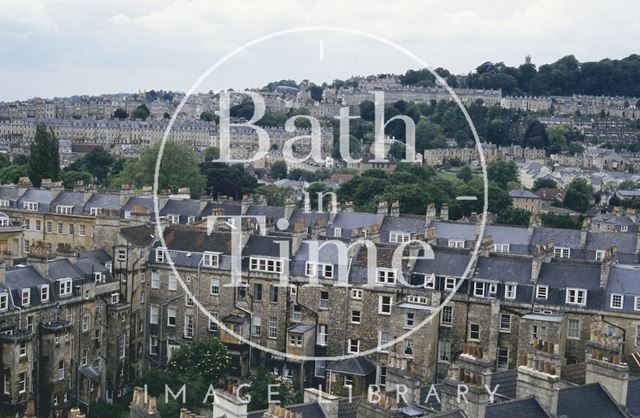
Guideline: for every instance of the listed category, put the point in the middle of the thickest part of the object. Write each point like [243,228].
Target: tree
[45,159]
[71,177]
[97,162]
[209,116]
[260,389]
[179,168]
[578,195]
[208,358]
[544,183]
[429,135]
[627,185]
[211,153]
[120,113]
[141,112]
[279,170]
[367,110]
[502,172]
[12,173]
[228,180]
[557,135]
[514,216]
[275,195]
[465,174]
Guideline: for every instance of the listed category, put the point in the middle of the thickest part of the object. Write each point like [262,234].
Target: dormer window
[323,270]
[599,255]
[31,206]
[98,277]
[174,219]
[386,276]
[25,297]
[4,302]
[429,281]
[4,203]
[576,296]
[617,301]
[337,232]
[479,289]
[44,293]
[65,287]
[160,255]
[64,210]
[267,265]
[624,228]
[115,298]
[561,252]
[501,248]
[510,290]
[210,259]
[456,243]
[542,292]
[398,236]
[5,221]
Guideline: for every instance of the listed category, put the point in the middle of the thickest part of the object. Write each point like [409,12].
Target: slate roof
[349,221]
[328,254]
[263,246]
[521,408]
[230,209]
[625,243]
[412,224]
[453,230]
[88,266]
[507,381]
[68,198]
[307,219]
[146,202]
[102,201]
[569,238]
[563,274]
[183,208]
[140,236]
[587,401]
[272,212]
[99,255]
[633,397]
[503,269]
[503,234]
[191,239]
[522,193]
[42,196]
[359,366]
[445,263]
[26,277]
[62,268]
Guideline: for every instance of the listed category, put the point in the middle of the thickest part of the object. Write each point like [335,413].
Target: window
[122,345]
[505,323]
[409,320]
[210,260]
[154,314]
[32,206]
[215,287]
[7,383]
[478,289]
[386,276]
[60,229]
[72,229]
[257,291]
[153,345]
[268,265]
[324,300]
[160,255]
[273,327]
[85,323]
[30,323]
[188,301]
[297,313]
[355,317]
[383,338]
[322,335]
[539,332]
[561,252]
[449,283]
[188,326]
[122,254]
[356,294]
[65,287]
[599,255]
[319,368]
[115,298]
[353,345]
[64,210]
[454,243]
[4,302]
[474,332]
[49,227]
[273,294]
[38,225]
[573,329]
[501,248]
[429,281]
[241,291]
[418,299]
[23,349]
[337,232]
[636,303]
[542,292]
[444,351]
[25,299]
[213,325]
[173,282]
[256,325]
[327,271]
[446,316]
[384,305]
[174,219]
[576,296]
[61,370]
[502,361]
[171,317]
[98,277]
[295,340]
[637,335]
[397,236]
[382,376]
[155,280]
[83,230]
[510,290]
[624,228]
[84,358]
[617,301]
[408,348]
[22,381]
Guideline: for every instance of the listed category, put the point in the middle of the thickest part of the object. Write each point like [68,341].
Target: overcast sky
[64,47]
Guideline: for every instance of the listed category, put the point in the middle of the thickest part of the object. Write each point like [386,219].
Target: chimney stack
[444,212]
[383,211]
[605,267]
[431,214]
[395,209]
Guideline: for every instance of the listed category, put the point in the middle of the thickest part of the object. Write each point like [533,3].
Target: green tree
[260,388]
[70,177]
[279,170]
[557,135]
[544,183]
[502,172]
[211,153]
[228,180]
[578,195]
[429,135]
[141,112]
[367,110]
[275,195]
[12,173]
[514,216]
[179,168]
[45,159]
[209,116]
[465,174]
[120,113]
[627,185]
[561,221]
[97,162]
[208,358]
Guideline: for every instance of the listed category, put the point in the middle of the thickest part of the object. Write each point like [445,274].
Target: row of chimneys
[276,411]
[473,350]
[545,346]
[460,374]
[528,360]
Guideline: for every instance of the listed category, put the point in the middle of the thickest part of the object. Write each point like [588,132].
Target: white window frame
[447,283]
[382,341]
[409,320]
[322,335]
[356,316]
[444,352]
[505,329]
[4,301]
[272,331]
[173,283]
[160,254]
[155,280]
[600,255]
[505,365]
[636,303]
[384,308]
[211,259]
[455,243]
[510,290]
[25,297]
[471,332]
[479,289]
[356,294]
[30,206]
[573,296]
[172,313]
[570,336]
[501,248]
[399,236]
[214,287]
[386,276]
[562,252]
[542,291]
[65,287]
[154,314]
[619,299]
[447,311]
[353,346]
[295,340]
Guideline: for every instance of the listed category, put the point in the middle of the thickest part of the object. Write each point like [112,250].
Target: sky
[61,48]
